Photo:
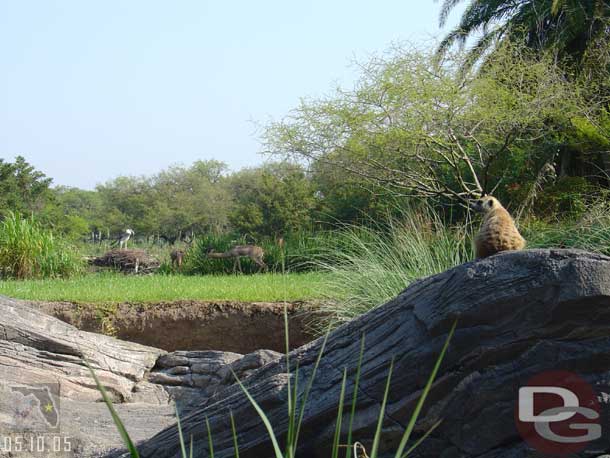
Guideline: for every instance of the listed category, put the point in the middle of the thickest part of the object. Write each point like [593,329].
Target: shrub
[29,251]
[569,196]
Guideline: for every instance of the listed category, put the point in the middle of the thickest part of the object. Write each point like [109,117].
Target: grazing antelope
[253,252]
[177,256]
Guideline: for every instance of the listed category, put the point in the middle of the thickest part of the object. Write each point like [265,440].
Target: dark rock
[519,314]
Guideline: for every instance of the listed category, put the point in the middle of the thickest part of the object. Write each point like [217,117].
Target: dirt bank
[192,325]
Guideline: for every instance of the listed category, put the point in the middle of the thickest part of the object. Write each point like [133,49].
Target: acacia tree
[426,130]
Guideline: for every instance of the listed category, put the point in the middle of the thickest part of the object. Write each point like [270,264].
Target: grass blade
[210,443]
[276,447]
[234,435]
[180,436]
[354,400]
[422,398]
[291,444]
[335,452]
[133,451]
[386,394]
[423,438]
[309,385]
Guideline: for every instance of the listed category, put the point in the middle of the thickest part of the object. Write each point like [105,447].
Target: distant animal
[498,231]
[123,238]
[177,256]
[253,252]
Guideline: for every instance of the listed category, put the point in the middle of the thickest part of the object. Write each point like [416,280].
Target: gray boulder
[42,365]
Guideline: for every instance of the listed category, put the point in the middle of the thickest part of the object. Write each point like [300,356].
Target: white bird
[124,237]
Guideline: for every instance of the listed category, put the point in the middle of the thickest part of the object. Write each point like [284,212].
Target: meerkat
[498,231]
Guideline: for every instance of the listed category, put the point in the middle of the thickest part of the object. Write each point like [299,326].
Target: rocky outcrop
[42,363]
[43,354]
[192,376]
[519,314]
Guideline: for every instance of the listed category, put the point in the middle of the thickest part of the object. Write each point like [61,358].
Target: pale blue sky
[95,89]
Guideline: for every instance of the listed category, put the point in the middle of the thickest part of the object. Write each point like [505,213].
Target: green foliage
[194,199]
[273,200]
[569,26]
[589,231]
[72,212]
[344,198]
[411,127]
[172,204]
[371,265]
[180,202]
[22,188]
[593,135]
[569,197]
[29,251]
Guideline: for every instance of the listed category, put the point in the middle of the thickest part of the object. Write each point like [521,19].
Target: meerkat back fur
[498,231]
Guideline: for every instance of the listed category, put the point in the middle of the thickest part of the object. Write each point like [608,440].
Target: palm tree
[569,25]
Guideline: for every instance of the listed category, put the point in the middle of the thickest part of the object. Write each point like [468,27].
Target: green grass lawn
[114,288]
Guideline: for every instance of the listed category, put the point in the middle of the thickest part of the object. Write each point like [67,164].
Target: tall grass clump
[590,231]
[371,265]
[27,250]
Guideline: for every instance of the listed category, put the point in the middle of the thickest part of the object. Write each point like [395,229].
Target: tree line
[272,200]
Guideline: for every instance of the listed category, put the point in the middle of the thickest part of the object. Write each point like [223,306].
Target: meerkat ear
[490,203]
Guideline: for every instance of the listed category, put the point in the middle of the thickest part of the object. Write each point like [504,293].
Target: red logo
[557,413]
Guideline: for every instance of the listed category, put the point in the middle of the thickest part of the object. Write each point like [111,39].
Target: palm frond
[448,6]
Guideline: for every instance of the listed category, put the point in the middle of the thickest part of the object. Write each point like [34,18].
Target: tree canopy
[413,128]
[568,26]
[22,188]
